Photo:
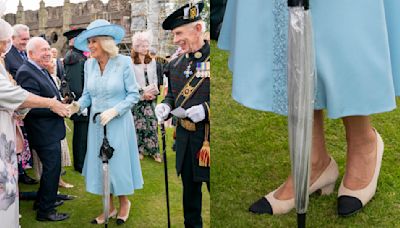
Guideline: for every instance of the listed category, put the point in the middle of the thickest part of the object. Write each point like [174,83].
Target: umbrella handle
[95,115]
[94,121]
[304,3]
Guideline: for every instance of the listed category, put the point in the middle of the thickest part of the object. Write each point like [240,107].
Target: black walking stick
[165,169]
[106,152]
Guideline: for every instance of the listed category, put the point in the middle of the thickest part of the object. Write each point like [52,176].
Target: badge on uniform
[203,70]
[191,12]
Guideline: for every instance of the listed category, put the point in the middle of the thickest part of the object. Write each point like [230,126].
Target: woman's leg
[361,152]
[124,206]
[319,158]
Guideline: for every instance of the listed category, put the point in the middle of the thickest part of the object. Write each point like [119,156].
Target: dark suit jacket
[60,69]
[42,125]
[13,61]
[216,17]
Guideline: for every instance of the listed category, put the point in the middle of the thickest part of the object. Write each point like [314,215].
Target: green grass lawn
[251,158]
[148,204]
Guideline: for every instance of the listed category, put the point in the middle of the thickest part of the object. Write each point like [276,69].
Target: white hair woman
[110,88]
[148,77]
[13,98]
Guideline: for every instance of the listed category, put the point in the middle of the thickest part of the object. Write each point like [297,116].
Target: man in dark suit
[17,55]
[74,63]
[45,129]
[189,89]
[13,60]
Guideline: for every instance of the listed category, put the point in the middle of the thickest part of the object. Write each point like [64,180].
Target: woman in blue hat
[111,89]
[358,74]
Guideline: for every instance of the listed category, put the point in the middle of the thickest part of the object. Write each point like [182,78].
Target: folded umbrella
[106,152]
[301,79]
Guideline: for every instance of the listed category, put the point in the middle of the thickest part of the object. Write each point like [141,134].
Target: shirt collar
[36,65]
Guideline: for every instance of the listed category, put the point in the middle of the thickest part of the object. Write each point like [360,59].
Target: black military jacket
[188,141]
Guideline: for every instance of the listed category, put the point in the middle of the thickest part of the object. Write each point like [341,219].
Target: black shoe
[261,206]
[65,197]
[24,178]
[52,216]
[348,205]
[174,146]
[56,204]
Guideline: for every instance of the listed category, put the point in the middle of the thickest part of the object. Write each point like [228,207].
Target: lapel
[17,56]
[45,79]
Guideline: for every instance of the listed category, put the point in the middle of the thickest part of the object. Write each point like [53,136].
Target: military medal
[198,68]
[208,69]
[188,72]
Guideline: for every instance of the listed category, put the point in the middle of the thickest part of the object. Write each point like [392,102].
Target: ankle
[320,162]
[318,165]
[367,139]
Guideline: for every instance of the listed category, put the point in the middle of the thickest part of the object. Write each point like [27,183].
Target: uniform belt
[187,124]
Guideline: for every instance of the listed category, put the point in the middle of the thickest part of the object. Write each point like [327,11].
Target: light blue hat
[99,27]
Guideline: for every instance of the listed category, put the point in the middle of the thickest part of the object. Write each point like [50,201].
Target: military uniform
[175,71]
[188,86]
[74,62]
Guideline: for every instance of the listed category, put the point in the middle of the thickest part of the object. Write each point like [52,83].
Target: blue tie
[23,55]
[49,78]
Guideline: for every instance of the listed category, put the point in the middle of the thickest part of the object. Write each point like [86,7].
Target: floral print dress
[145,119]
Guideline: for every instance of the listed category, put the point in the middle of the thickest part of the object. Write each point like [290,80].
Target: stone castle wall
[133,15]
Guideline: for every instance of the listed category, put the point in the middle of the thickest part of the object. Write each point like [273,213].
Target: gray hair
[32,43]
[5,30]
[18,28]
[108,45]
[200,22]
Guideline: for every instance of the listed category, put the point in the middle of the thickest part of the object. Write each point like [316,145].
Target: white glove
[108,115]
[162,111]
[73,108]
[84,112]
[196,113]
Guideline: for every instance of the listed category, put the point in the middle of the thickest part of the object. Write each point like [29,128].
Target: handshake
[195,113]
[73,108]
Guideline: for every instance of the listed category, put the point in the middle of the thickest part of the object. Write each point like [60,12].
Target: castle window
[54,37]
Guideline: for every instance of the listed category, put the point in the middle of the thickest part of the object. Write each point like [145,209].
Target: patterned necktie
[23,55]
[49,78]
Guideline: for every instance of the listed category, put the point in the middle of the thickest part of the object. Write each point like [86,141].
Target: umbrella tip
[301,220]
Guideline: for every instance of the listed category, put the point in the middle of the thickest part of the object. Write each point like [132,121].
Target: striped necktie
[23,55]
[49,78]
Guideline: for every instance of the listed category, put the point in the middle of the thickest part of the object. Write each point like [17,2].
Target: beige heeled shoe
[325,183]
[122,219]
[351,201]
[64,184]
[99,221]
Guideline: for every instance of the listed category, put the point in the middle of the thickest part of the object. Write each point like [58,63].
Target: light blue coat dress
[116,88]
[357,45]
